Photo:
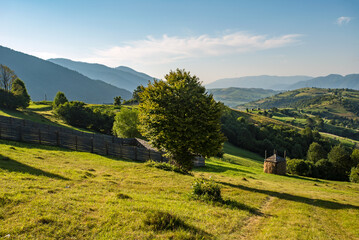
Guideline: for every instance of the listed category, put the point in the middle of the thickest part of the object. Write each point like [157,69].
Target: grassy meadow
[52,193]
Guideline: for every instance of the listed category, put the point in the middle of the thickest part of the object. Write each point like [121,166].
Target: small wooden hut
[275,164]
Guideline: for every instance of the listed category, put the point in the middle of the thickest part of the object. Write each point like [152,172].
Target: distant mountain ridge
[350,81]
[264,81]
[46,78]
[122,77]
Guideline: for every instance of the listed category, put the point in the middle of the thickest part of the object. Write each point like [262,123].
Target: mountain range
[350,81]
[289,83]
[121,77]
[43,79]
[264,81]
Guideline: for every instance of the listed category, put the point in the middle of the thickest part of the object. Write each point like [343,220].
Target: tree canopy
[180,118]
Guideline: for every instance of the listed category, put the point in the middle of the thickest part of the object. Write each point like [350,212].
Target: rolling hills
[340,102]
[46,78]
[122,77]
[233,97]
[266,82]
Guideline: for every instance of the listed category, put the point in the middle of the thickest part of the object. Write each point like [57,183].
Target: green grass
[51,193]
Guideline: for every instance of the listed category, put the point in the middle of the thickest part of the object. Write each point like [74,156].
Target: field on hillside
[49,193]
[41,112]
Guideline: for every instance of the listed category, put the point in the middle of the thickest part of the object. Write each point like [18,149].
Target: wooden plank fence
[130,148]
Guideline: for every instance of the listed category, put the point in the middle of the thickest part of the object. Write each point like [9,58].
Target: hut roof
[275,158]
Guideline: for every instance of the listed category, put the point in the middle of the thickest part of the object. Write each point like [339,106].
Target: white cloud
[170,49]
[343,20]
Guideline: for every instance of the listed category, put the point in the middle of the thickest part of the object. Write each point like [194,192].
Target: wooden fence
[32,132]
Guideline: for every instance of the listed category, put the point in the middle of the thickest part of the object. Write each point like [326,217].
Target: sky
[211,39]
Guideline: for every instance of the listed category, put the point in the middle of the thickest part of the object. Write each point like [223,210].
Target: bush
[354,174]
[126,123]
[325,169]
[59,99]
[160,221]
[301,167]
[74,113]
[316,152]
[19,90]
[206,190]
[342,162]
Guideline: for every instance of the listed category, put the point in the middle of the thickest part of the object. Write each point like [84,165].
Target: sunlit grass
[50,193]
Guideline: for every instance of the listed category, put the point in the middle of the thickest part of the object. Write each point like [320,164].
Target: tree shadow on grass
[311,201]
[11,165]
[241,206]
[218,169]
[163,221]
[304,178]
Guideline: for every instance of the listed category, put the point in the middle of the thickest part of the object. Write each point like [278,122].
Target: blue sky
[212,39]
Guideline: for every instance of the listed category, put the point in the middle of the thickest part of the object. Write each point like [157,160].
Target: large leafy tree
[180,118]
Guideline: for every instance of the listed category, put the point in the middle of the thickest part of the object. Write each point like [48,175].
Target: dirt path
[253,223]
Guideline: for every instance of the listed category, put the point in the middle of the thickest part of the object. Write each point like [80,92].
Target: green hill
[233,97]
[331,102]
[50,193]
[334,111]
[46,78]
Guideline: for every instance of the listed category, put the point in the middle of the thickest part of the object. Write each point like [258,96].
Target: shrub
[206,190]
[301,167]
[316,152]
[19,90]
[74,113]
[342,162]
[354,174]
[160,221]
[59,99]
[325,169]
[126,123]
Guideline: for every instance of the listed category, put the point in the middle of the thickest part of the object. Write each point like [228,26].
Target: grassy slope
[50,193]
[41,112]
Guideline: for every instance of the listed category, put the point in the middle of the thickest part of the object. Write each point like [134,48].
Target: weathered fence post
[20,133]
[121,153]
[91,144]
[135,152]
[76,143]
[106,148]
[57,138]
[39,135]
[149,154]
